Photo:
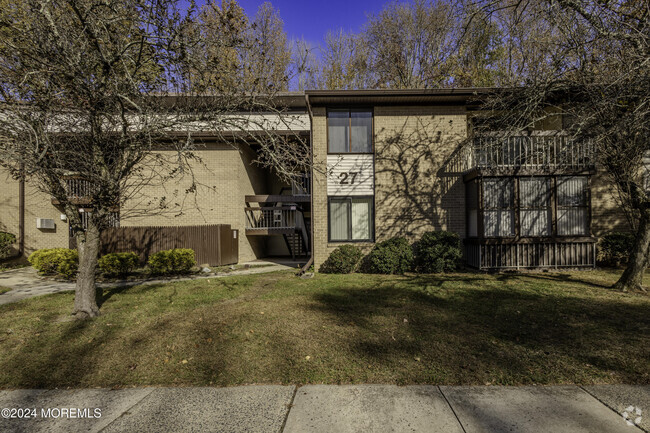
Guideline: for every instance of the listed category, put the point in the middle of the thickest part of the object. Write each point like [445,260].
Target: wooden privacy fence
[216,244]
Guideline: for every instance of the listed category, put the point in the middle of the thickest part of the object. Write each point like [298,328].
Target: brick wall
[606,214]
[223,176]
[37,205]
[416,190]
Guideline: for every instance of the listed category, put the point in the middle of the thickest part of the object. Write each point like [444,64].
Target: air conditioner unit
[44,223]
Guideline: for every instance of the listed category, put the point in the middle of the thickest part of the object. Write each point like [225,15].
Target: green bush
[394,256]
[437,252]
[118,264]
[614,249]
[343,260]
[55,261]
[6,244]
[176,261]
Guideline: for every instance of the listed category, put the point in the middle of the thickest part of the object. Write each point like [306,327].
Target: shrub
[55,261]
[117,264]
[343,260]
[394,256]
[614,248]
[176,261]
[437,252]
[6,244]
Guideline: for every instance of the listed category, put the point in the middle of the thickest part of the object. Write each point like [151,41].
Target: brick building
[385,163]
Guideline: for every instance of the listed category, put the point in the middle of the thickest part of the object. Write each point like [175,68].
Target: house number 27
[352,175]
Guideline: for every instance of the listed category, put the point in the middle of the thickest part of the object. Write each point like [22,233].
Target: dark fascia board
[456,96]
[283,100]
[404,92]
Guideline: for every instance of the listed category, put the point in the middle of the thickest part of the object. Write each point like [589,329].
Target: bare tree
[268,56]
[305,67]
[591,64]
[416,44]
[411,44]
[94,89]
[346,62]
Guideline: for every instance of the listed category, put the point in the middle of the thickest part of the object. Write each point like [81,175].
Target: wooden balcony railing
[535,152]
[78,190]
[273,219]
[301,186]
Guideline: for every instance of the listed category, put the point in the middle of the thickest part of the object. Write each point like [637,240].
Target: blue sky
[312,19]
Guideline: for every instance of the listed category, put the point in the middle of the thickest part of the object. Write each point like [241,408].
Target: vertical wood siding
[215,245]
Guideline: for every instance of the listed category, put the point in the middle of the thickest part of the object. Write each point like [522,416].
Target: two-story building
[385,163]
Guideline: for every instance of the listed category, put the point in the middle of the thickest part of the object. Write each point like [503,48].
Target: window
[535,206]
[351,219]
[572,206]
[498,205]
[349,131]
[471,197]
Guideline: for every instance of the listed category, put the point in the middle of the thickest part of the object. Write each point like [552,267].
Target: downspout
[21,211]
[311,186]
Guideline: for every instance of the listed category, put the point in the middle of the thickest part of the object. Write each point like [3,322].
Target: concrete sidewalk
[26,283]
[331,408]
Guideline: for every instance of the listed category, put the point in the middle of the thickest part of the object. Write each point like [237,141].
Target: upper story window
[349,131]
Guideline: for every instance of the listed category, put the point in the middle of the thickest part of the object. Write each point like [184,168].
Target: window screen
[572,206]
[535,206]
[498,205]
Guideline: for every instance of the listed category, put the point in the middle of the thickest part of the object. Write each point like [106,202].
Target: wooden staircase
[297,244]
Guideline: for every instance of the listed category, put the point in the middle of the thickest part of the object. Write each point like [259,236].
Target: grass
[4,290]
[10,266]
[541,328]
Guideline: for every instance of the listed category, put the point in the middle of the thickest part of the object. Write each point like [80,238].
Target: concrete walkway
[26,283]
[331,408]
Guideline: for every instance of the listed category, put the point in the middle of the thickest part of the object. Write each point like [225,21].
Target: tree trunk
[85,296]
[632,278]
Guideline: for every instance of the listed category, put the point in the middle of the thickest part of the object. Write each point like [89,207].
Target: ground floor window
[351,219]
[535,206]
[572,206]
[499,207]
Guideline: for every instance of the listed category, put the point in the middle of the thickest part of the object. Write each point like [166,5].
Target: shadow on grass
[474,334]
[554,277]
[449,329]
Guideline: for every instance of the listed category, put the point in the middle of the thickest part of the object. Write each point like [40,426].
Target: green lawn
[543,328]
[4,290]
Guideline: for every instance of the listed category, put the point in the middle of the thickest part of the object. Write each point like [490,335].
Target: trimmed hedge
[437,252]
[343,260]
[55,261]
[394,256]
[118,264]
[614,249]
[175,261]
[6,243]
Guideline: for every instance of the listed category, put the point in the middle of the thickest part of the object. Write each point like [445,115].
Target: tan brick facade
[415,189]
[225,175]
[606,213]
[37,205]
[418,187]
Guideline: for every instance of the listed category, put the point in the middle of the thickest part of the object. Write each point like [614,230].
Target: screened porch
[531,221]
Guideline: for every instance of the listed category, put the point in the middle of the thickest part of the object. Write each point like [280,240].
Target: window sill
[357,243]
